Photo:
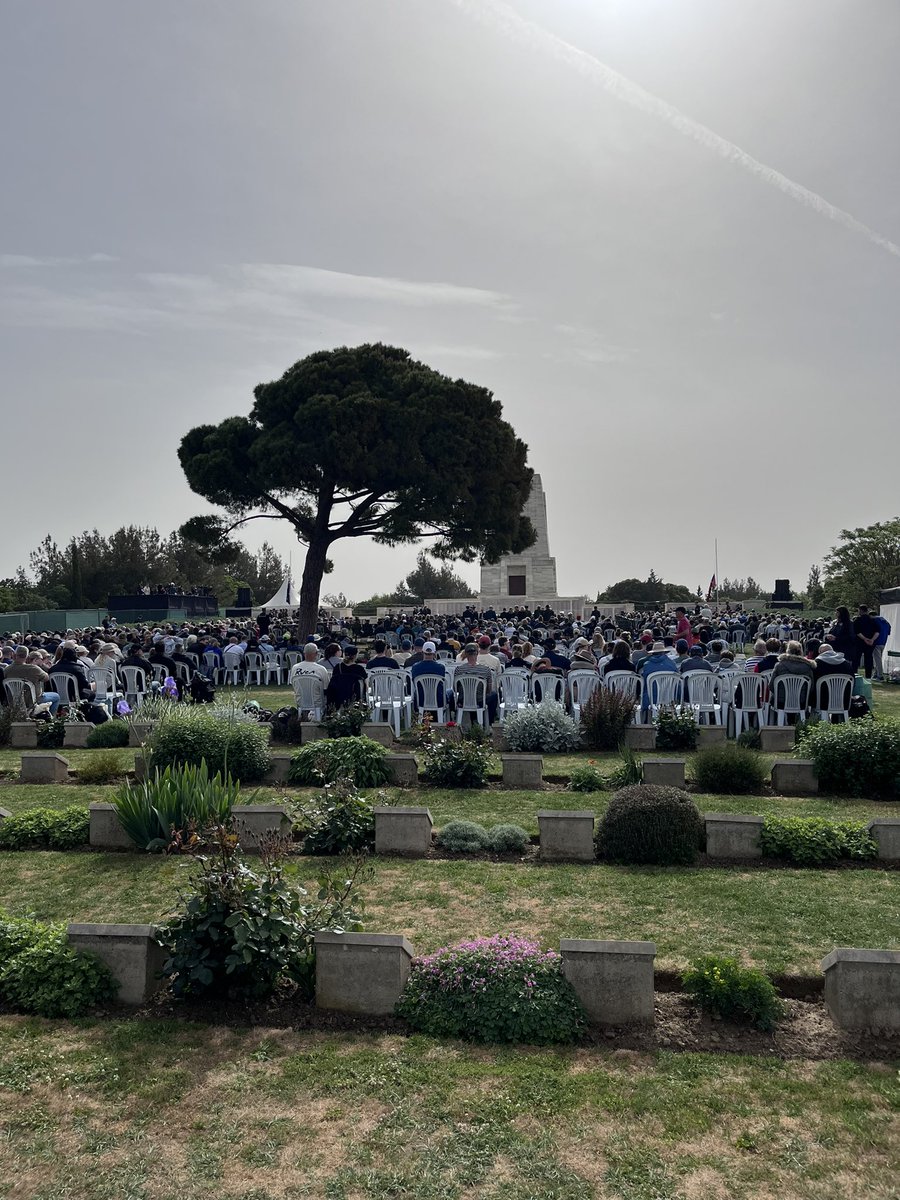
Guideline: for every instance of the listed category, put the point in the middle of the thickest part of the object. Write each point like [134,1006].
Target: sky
[665,233]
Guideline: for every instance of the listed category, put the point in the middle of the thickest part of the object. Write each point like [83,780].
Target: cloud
[340,285]
[28,260]
[586,345]
[505,20]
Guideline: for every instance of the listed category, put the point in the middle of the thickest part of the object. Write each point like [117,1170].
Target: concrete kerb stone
[131,952]
[311,733]
[23,735]
[640,737]
[106,832]
[44,766]
[403,771]
[886,832]
[139,732]
[664,772]
[76,734]
[254,822]
[403,831]
[710,735]
[777,739]
[379,732]
[361,973]
[794,777]
[733,835]
[523,771]
[566,835]
[4,814]
[613,980]
[862,989]
[279,767]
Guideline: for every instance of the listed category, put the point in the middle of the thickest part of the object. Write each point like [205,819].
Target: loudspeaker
[782,590]
[243,598]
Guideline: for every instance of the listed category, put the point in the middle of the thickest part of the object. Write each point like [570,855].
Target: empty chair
[471,697]
[581,686]
[748,699]
[388,701]
[833,696]
[253,665]
[195,658]
[513,691]
[445,655]
[702,690]
[159,672]
[183,673]
[430,695]
[548,687]
[66,685]
[233,668]
[273,665]
[309,694]
[662,689]
[20,693]
[134,685]
[790,697]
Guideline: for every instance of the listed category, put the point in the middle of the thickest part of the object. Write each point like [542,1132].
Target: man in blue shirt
[657,660]
[429,665]
[884,632]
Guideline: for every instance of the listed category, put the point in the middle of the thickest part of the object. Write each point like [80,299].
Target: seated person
[384,658]
[582,656]
[770,659]
[792,662]
[429,666]
[658,659]
[27,667]
[471,666]
[695,661]
[348,681]
[620,659]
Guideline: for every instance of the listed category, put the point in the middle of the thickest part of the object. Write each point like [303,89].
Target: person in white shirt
[309,666]
[233,654]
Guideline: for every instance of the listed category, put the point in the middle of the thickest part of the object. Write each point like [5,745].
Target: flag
[712,588]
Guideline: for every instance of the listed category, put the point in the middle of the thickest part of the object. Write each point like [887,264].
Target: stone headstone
[361,973]
[613,980]
[404,831]
[131,952]
[43,766]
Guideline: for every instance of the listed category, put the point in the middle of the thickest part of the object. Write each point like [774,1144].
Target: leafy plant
[476,732]
[586,778]
[498,989]
[463,837]
[243,931]
[508,839]
[46,829]
[110,735]
[102,767]
[356,758]
[751,738]
[629,772]
[675,731]
[542,729]
[41,974]
[51,734]
[729,770]
[816,841]
[456,764]
[344,824]
[176,800]
[605,717]
[9,714]
[856,758]
[225,739]
[347,721]
[649,824]
[721,986]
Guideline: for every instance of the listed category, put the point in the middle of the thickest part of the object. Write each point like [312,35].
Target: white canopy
[285,597]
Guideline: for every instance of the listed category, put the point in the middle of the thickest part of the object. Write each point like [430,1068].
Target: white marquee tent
[285,597]
[890,610]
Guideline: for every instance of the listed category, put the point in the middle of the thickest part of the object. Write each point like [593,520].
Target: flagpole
[717,572]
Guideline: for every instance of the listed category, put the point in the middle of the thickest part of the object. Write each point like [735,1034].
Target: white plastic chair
[289,659]
[701,696]
[104,681]
[134,686]
[388,701]
[833,696]
[663,689]
[581,686]
[471,697]
[426,689]
[66,686]
[748,699]
[627,683]
[273,667]
[253,665]
[159,672]
[232,669]
[309,693]
[445,655]
[20,693]
[213,666]
[546,687]
[513,691]
[790,697]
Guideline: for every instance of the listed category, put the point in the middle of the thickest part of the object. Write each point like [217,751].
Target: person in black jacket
[841,636]
[348,681]
[866,629]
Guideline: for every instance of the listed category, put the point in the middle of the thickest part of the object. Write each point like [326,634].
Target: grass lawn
[130,1109]
[781,920]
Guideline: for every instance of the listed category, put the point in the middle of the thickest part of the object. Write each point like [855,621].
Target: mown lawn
[782,920]
[129,1109]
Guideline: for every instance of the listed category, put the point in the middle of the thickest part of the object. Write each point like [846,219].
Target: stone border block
[733,835]
[77,734]
[403,770]
[106,831]
[362,973]
[279,766]
[257,821]
[711,735]
[777,739]
[310,732]
[566,835]
[139,732]
[613,980]
[131,952]
[379,731]
[794,777]
[886,832]
[523,771]
[44,766]
[404,831]
[23,735]
[664,772]
[862,989]
[640,737]
[4,813]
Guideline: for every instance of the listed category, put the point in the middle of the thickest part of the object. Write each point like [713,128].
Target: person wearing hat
[695,661]
[429,665]
[657,660]
[582,658]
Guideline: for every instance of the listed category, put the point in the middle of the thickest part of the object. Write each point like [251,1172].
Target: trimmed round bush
[855,758]
[497,989]
[356,758]
[729,770]
[649,824]
[508,839]
[111,735]
[463,837]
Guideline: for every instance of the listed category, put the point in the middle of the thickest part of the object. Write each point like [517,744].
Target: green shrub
[225,739]
[498,989]
[721,986]
[456,764]
[244,930]
[347,721]
[605,717]
[648,824]
[751,738]
[629,772]
[7,716]
[344,822]
[108,736]
[463,837]
[46,829]
[328,759]
[856,758]
[541,729]
[41,974]
[729,770]
[102,767]
[476,732]
[51,734]
[507,839]
[173,802]
[816,841]
[675,731]
[586,778]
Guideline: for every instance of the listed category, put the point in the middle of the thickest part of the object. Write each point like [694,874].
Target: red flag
[712,588]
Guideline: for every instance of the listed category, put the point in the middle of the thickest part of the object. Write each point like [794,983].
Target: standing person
[841,637]
[884,632]
[867,632]
[683,626]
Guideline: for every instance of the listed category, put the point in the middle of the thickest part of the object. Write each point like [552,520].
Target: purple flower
[123,708]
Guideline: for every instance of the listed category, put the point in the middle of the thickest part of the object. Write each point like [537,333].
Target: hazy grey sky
[664,232]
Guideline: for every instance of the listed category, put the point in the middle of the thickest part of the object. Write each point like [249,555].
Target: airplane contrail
[504,19]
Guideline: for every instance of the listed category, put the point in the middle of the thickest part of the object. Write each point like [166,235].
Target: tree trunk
[310,586]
